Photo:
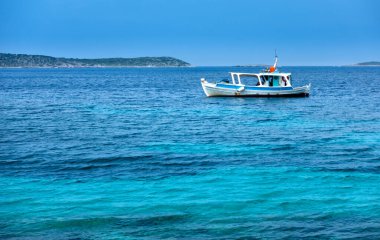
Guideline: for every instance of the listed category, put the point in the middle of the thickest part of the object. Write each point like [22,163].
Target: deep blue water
[141,153]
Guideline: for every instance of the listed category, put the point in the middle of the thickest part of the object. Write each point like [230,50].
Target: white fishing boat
[269,83]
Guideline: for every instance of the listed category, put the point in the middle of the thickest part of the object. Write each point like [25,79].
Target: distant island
[25,60]
[372,63]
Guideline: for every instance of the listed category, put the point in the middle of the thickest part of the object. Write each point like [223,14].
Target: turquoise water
[143,154]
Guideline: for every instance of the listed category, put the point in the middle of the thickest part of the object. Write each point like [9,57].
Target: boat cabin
[273,79]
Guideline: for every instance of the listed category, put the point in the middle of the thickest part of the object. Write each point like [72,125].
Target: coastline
[191,66]
[76,67]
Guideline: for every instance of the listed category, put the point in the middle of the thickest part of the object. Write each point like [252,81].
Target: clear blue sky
[202,32]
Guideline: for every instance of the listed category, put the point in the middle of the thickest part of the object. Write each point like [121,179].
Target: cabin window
[276,81]
[266,80]
[284,81]
[249,80]
[262,80]
[270,79]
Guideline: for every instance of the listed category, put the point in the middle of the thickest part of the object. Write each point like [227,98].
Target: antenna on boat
[274,67]
[275,58]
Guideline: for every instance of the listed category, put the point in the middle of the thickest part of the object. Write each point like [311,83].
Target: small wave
[119,159]
[159,220]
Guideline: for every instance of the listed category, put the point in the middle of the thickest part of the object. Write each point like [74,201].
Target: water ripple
[143,154]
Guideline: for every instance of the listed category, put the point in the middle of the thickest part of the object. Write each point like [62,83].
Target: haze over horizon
[203,33]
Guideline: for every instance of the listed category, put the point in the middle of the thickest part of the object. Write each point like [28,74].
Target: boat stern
[307,89]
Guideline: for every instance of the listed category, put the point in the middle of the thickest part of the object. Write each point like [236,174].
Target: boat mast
[275,59]
[273,68]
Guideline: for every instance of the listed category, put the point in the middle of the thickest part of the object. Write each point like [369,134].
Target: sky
[201,32]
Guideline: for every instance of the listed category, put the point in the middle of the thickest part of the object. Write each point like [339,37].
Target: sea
[142,153]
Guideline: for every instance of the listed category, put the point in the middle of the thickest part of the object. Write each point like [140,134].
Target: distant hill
[372,63]
[24,60]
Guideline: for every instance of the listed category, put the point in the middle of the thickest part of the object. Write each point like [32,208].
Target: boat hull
[230,90]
